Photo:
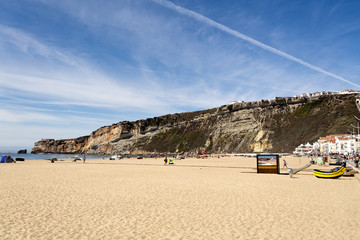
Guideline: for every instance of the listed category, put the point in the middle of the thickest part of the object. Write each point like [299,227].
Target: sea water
[49,156]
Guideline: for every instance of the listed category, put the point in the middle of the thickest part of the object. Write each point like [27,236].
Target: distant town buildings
[341,143]
[304,97]
[324,93]
[331,144]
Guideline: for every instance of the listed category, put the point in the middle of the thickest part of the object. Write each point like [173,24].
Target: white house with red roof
[339,143]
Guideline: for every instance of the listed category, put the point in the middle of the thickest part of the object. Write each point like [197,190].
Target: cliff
[278,125]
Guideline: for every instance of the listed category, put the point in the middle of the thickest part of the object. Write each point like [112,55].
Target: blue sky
[69,67]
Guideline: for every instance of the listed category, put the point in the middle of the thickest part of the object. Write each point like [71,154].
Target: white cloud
[31,46]
[82,85]
[187,59]
[20,116]
[244,37]
[25,135]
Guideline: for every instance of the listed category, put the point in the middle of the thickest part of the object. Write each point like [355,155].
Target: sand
[192,199]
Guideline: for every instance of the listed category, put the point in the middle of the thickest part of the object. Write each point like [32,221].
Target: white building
[345,145]
[341,143]
[305,95]
[304,149]
[347,91]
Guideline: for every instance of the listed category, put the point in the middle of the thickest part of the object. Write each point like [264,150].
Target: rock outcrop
[22,151]
[278,125]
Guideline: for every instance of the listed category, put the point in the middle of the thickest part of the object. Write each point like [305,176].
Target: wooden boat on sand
[334,173]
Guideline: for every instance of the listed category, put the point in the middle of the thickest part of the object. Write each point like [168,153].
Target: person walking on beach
[285,164]
[165,160]
[84,158]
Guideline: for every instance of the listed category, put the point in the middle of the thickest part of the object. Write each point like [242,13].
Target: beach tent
[6,159]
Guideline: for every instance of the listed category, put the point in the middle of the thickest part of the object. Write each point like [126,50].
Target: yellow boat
[334,173]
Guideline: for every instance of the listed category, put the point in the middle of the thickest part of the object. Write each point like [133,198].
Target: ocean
[49,156]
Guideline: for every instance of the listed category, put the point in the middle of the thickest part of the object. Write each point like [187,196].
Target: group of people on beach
[356,160]
[53,160]
[83,159]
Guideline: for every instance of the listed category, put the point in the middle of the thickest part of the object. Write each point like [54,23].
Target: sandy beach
[193,199]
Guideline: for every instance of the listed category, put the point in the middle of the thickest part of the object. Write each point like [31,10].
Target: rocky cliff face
[278,126]
[75,145]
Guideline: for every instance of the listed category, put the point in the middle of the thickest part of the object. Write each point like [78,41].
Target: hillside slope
[278,126]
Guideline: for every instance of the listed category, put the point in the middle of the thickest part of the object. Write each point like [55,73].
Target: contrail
[230,31]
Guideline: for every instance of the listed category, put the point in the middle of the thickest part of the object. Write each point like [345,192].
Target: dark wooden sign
[268,163]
